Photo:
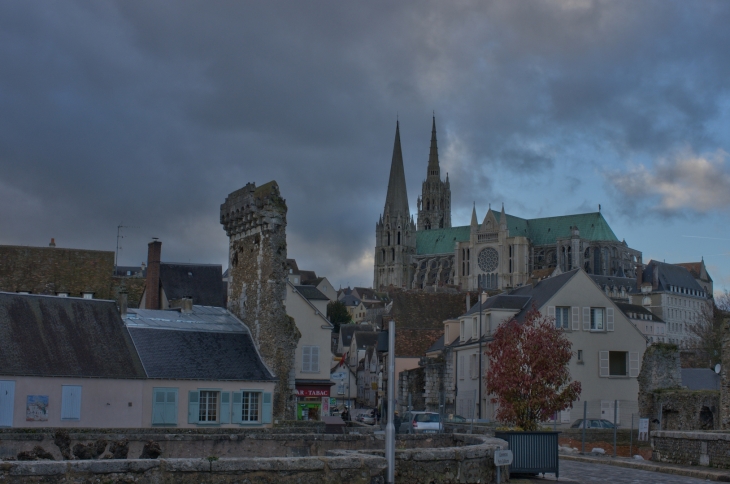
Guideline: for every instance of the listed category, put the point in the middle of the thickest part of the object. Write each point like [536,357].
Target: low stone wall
[280,458]
[692,448]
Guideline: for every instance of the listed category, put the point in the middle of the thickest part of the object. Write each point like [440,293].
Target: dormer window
[88,295]
[62,294]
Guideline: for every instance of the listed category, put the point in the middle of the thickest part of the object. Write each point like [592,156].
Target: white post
[390,427]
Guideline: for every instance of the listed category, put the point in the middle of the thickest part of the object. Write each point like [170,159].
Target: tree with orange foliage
[528,371]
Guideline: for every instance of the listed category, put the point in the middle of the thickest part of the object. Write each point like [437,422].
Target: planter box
[534,452]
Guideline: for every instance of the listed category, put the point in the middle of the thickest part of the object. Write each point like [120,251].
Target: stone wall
[410,382]
[255,221]
[50,270]
[446,458]
[692,448]
[725,379]
[427,384]
[667,404]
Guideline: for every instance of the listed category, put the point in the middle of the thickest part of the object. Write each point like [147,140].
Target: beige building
[307,306]
[607,347]
[192,368]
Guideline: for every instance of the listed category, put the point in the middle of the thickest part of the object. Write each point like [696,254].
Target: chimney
[187,305]
[53,242]
[123,304]
[655,278]
[483,297]
[468,301]
[639,275]
[152,298]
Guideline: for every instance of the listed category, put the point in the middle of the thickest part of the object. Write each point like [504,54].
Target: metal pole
[615,415]
[410,407]
[479,372]
[471,425]
[390,427]
[585,415]
[631,437]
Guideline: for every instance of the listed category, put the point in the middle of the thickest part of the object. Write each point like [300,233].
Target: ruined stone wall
[692,448]
[660,369]
[255,221]
[725,379]
[411,382]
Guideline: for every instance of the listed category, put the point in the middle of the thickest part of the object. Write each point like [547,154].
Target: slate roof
[438,345]
[347,330]
[635,308]
[541,292]
[700,379]
[413,343]
[541,231]
[311,293]
[501,301]
[64,337]
[350,300]
[695,268]
[670,274]
[365,339]
[628,282]
[199,355]
[202,282]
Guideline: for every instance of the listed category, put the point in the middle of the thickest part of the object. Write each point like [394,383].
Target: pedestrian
[345,415]
[396,421]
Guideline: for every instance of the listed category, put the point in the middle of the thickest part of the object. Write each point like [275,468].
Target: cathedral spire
[502,218]
[433,155]
[474,215]
[396,201]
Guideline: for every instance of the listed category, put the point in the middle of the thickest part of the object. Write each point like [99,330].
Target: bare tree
[706,335]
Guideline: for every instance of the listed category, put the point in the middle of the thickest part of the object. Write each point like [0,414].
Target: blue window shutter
[193,407]
[266,408]
[237,408]
[70,402]
[171,406]
[158,406]
[225,407]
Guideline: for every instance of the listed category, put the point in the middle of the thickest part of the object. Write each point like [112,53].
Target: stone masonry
[255,221]
[725,378]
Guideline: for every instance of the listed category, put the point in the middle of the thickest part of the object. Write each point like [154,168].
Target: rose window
[488,259]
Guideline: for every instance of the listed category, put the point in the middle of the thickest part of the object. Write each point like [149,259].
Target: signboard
[333,402]
[644,429]
[313,392]
[340,375]
[502,457]
[325,406]
[36,408]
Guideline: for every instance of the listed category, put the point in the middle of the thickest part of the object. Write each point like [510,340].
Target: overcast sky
[149,113]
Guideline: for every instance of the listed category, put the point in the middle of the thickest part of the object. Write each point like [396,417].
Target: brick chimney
[639,275]
[152,297]
[53,243]
[123,298]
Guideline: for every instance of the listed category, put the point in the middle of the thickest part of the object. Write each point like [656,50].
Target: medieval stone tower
[395,232]
[255,221]
[434,204]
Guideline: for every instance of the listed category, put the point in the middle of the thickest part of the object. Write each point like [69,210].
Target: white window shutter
[315,359]
[237,408]
[587,320]
[603,357]
[565,416]
[193,407]
[634,364]
[576,318]
[461,366]
[307,358]
[225,416]
[609,319]
[266,408]
[551,311]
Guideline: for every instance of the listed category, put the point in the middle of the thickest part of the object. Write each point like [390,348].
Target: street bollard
[615,426]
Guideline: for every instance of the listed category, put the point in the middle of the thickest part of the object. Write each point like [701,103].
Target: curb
[677,470]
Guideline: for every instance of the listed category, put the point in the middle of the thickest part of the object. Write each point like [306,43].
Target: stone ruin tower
[255,221]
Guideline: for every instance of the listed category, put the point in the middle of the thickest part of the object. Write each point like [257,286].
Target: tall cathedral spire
[433,155]
[396,201]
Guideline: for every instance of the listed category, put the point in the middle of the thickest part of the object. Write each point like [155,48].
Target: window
[562,317]
[62,294]
[617,363]
[310,359]
[597,319]
[164,406]
[473,367]
[580,356]
[461,333]
[461,367]
[250,406]
[208,407]
[474,328]
[70,402]
[88,295]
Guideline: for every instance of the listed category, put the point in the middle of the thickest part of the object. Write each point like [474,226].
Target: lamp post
[390,427]
[479,371]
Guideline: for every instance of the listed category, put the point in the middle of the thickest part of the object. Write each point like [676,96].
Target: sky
[147,114]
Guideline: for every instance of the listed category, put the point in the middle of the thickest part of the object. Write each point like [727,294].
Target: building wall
[107,403]
[310,325]
[50,270]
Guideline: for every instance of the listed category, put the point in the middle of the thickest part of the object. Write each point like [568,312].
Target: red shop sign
[312,391]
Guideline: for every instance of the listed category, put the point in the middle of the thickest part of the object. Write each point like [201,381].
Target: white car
[420,423]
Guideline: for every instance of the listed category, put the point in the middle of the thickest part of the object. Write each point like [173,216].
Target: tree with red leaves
[528,371]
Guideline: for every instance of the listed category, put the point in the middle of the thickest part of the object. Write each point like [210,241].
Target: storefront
[313,400]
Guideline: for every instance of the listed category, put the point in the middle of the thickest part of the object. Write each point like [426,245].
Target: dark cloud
[151,112]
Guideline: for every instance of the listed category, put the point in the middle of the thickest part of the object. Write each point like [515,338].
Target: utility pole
[119,237]
[479,372]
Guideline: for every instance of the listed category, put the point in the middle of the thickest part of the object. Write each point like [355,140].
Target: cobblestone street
[585,473]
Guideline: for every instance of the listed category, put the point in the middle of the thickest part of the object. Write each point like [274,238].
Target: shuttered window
[70,402]
[203,406]
[586,319]
[603,363]
[609,319]
[310,359]
[461,367]
[634,364]
[251,407]
[164,406]
[576,318]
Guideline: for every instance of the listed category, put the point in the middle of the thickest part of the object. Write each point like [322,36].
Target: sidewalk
[699,472]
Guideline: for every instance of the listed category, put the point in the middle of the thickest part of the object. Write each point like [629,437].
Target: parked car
[456,419]
[593,423]
[420,423]
[368,418]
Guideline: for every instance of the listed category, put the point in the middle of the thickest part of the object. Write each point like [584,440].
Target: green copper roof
[441,241]
[541,231]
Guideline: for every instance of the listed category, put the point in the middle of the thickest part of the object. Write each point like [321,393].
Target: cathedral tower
[395,232]
[434,204]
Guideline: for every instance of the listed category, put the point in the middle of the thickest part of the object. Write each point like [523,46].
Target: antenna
[120,236]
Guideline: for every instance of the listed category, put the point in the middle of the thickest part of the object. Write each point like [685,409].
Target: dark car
[593,423]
